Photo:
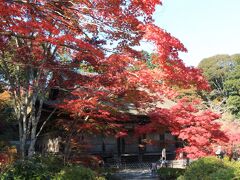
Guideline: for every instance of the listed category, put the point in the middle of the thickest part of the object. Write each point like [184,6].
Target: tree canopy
[87,49]
[222,72]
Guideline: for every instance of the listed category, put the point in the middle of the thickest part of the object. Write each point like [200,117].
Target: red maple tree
[87,48]
[231,148]
[196,128]
[43,44]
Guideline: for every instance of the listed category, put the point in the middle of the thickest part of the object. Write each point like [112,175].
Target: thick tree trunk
[22,122]
[22,141]
[27,84]
[23,136]
[34,120]
[31,149]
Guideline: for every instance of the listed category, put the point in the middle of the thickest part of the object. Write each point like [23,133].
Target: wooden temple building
[130,148]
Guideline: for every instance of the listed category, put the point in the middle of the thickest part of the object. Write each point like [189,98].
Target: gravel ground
[134,174]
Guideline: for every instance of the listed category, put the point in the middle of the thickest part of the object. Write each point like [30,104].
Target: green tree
[232,83]
[223,74]
[232,86]
[216,70]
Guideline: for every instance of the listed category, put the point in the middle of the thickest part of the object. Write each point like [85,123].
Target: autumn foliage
[231,129]
[197,128]
[87,49]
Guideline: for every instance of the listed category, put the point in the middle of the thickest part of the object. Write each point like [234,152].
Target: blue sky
[206,27]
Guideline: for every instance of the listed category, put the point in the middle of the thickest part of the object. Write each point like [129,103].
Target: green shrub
[222,174]
[203,168]
[235,165]
[53,163]
[38,167]
[47,167]
[76,172]
[170,173]
[211,168]
[25,170]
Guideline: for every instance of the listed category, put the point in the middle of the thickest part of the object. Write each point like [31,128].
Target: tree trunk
[22,121]
[27,84]
[22,141]
[34,120]
[31,149]
[67,149]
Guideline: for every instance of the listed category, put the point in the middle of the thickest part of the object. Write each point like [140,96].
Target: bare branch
[44,123]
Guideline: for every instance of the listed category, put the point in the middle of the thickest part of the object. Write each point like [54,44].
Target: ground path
[142,171]
[134,174]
